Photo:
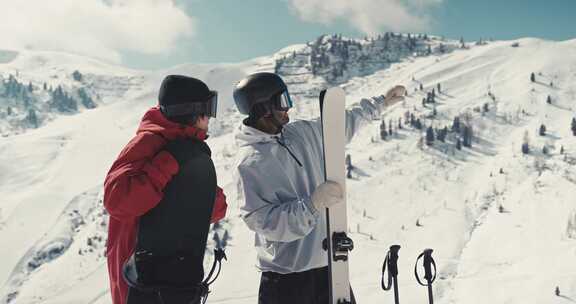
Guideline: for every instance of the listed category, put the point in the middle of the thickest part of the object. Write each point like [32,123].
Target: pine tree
[526,143]
[429,136]
[467,137]
[349,166]
[442,134]
[456,125]
[459,144]
[532,77]
[348,160]
[439,88]
[418,124]
[383,132]
[574,126]
[542,130]
[549,99]
[32,118]
[86,100]
[77,76]
[442,48]
[430,97]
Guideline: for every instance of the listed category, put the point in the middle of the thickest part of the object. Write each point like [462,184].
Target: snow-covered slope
[38,86]
[503,224]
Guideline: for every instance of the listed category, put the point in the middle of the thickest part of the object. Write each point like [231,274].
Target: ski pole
[391,261]
[428,263]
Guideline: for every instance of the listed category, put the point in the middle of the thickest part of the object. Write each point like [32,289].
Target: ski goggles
[202,107]
[282,101]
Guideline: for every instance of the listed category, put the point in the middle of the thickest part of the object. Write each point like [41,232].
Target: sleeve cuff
[308,203]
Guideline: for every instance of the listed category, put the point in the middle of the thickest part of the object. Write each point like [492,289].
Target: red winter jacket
[135,184]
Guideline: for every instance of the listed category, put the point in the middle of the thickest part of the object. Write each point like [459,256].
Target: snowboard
[172,236]
[337,243]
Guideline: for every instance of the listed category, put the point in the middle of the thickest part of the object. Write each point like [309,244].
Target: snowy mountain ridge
[28,100]
[502,223]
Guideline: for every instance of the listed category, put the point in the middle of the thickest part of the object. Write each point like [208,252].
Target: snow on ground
[498,220]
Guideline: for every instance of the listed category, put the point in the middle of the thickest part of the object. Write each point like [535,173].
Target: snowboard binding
[341,246]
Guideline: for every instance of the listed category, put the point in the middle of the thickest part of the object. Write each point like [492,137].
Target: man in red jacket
[135,184]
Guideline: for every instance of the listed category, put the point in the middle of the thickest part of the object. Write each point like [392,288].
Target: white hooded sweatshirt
[278,174]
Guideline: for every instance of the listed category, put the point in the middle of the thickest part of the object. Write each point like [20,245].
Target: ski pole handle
[390,262]
[428,264]
[394,260]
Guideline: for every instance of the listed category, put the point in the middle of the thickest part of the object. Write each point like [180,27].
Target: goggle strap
[203,107]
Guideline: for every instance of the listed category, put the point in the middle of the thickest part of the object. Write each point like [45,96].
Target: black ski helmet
[182,96]
[261,88]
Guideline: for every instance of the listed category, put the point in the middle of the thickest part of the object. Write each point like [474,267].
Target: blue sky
[229,31]
[153,34]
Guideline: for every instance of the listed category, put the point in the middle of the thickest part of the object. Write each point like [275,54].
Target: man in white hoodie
[281,169]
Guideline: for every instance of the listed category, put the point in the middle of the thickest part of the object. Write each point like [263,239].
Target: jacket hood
[246,135]
[154,121]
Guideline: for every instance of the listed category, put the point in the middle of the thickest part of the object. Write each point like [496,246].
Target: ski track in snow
[483,255]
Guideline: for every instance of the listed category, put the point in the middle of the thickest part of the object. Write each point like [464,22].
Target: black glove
[181,150]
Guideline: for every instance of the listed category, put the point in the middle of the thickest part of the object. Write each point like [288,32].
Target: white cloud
[368,16]
[98,28]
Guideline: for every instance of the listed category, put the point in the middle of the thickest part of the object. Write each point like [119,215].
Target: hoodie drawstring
[283,144]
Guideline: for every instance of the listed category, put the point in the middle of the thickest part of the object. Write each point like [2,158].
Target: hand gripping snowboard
[333,113]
